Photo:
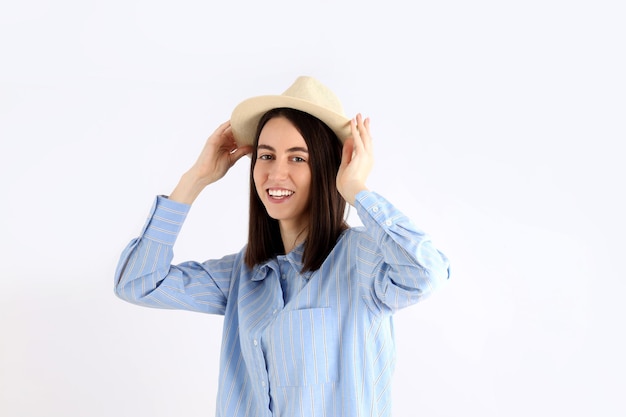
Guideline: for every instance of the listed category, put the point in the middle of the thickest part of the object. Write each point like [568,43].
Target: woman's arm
[398,258]
[145,276]
[219,154]
[403,264]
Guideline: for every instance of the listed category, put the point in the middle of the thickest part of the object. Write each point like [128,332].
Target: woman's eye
[298,159]
[265,157]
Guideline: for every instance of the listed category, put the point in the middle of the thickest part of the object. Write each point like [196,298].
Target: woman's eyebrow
[298,149]
[294,149]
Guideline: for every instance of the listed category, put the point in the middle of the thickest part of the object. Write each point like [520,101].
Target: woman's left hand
[356,161]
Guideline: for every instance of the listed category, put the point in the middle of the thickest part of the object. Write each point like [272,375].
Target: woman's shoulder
[231,261]
[355,235]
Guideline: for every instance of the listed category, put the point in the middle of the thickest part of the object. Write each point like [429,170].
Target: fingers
[237,153]
[222,128]
[224,138]
[356,135]
[346,155]
[361,133]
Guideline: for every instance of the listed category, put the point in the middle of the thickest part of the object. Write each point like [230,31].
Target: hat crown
[313,91]
[306,94]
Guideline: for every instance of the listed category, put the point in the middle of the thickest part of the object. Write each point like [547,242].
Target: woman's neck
[292,235]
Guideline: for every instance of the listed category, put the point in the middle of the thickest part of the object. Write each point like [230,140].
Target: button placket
[262,372]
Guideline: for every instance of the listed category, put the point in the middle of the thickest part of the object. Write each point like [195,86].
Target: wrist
[187,189]
[353,191]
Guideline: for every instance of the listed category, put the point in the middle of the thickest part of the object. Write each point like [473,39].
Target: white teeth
[280,193]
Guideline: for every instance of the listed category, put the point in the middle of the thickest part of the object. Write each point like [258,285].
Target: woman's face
[282,175]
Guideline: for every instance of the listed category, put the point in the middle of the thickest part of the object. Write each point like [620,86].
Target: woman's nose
[279,169]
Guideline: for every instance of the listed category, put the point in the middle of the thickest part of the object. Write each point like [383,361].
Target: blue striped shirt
[310,345]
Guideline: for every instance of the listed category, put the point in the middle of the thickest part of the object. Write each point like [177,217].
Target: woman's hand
[356,161]
[219,154]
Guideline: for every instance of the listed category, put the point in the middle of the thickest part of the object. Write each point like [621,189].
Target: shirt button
[375,209]
[274,312]
[262,383]
[255,342]
[388,222]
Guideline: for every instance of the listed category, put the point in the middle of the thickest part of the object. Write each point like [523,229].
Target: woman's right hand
[219,154]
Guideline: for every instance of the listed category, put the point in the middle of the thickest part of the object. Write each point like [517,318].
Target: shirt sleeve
[401,263]
[145,276]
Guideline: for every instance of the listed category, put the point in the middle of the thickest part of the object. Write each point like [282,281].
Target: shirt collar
[294,257]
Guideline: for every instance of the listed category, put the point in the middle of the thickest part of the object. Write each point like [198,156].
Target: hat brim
[246,116]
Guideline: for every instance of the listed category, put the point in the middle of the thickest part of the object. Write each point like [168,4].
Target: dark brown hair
[326,205]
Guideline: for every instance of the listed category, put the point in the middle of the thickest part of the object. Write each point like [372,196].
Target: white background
[497,127]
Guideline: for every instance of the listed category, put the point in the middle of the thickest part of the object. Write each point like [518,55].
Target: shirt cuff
[371,206]
[375,206]
[165,220]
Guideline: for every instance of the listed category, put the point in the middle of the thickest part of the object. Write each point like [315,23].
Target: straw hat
[306,94]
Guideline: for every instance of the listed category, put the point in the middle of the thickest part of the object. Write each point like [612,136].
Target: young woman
[308,302]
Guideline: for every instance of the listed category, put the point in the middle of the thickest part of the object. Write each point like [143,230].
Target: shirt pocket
[303,348]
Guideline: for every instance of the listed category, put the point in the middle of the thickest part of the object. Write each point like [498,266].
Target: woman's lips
[279,194]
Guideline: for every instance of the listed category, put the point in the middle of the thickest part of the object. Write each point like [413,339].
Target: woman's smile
[279,194]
